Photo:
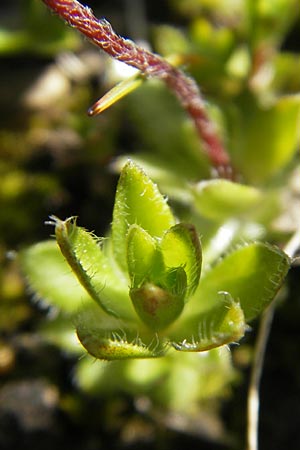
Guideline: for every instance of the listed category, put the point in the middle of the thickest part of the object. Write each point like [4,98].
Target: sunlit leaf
[223,324]
[112,339]
[252,275]
[60,331]
[83,252]
[223,199]
[138,201]
[51,278]
[115,94]
[143,256]
[265,140]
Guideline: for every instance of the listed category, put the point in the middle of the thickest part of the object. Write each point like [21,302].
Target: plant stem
[290,249]
[255,378]
[151,65]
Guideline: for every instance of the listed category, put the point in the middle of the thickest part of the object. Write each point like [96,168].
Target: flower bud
[156,307]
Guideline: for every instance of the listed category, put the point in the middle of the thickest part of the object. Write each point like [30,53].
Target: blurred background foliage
[56,160]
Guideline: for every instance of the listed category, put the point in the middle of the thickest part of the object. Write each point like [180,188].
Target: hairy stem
[151,65]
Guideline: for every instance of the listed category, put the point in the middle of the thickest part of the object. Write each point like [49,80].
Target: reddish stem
[151,65]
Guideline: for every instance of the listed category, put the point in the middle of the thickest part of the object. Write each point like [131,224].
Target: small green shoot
[138,293]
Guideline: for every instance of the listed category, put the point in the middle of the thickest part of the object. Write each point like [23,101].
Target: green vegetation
[188,256]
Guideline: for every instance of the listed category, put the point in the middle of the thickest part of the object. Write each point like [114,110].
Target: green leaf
[223,199]
[83,252]
[162,172]
[175,281]
[110,339]
[143,257]
[180,247]
[116,93]
[60,331]
[271,21]
[265,140]
[51,278]
[168,137]
[286,69]
[161,379]
[252,275]
[138,201]
[163,276]
[223,324]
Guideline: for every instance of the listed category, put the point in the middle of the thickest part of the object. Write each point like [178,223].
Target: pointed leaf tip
[115,94]
[138,201]
[92,268]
